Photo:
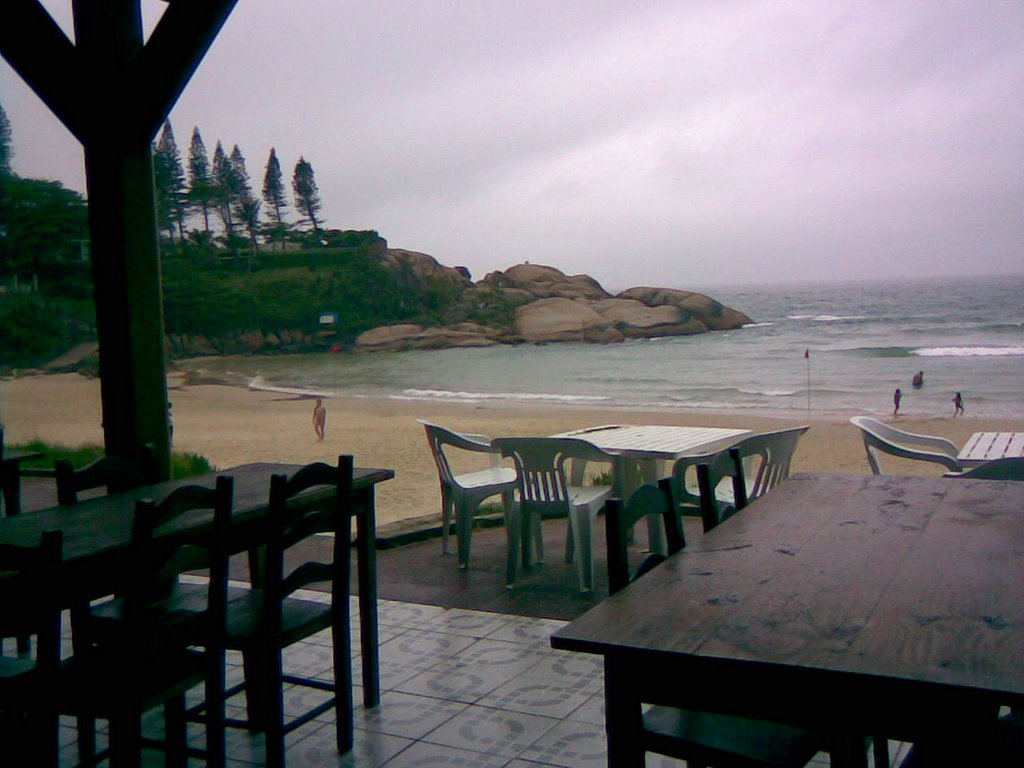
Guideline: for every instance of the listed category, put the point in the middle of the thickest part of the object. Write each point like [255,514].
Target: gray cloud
[677,143]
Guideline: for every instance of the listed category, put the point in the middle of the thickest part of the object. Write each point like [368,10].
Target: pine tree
[246,204]
[224,191]
[5,191]
[200,184]
[5,143]
[307,196]
[170,184]
[274,196]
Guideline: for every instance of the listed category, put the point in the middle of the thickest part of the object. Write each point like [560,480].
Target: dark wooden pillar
[112,90]
[124,240]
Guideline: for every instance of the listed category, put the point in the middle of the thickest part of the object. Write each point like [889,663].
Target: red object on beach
[336,348]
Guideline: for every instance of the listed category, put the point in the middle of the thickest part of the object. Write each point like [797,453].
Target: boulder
[397,338]
[714,315]
[637,320]
[544,282]
[559,319]
[414,269]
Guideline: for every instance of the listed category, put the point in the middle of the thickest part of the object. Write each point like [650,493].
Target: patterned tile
[538,696]
[491,731]
[402,714]
[415,651]
[592,710]
[423,755]
[369,751]
[524,629]
[459,621]
[566,667]
[570,744]
[394,613]
[454,681]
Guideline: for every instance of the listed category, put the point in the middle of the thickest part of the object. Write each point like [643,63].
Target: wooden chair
[266,621]
[754,466]
[542,482]
[699,738]
[30,605]
[117,473]
[140,650]
[620,520]
[462,494]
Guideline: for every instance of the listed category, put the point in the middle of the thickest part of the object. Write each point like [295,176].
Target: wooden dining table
[97,538]
[852,604]
[10,476]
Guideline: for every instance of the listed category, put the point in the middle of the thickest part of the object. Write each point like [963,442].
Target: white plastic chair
[1008,468]
[881,438]
[541,482]
[462,495]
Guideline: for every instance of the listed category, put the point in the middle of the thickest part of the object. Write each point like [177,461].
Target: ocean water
[862,340]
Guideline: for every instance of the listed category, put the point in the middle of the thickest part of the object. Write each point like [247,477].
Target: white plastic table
[638,449]
[986,446]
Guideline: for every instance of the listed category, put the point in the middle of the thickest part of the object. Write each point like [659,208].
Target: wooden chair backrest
[159,564]
[117,473]
[293,519]
[620,518]
[30,580]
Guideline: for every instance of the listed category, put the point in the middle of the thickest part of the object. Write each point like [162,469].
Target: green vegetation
[218,282]
[182,464]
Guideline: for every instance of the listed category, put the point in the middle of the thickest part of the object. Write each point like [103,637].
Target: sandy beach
[232,425]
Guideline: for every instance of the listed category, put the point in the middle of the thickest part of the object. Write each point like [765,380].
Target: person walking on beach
[958,405]
[896,397]
[319,419]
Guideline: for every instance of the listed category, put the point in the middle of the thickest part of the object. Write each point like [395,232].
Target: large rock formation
[549,306]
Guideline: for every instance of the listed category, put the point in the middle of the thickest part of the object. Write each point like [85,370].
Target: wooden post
[125,241]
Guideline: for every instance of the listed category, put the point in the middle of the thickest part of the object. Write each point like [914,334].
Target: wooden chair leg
[274,733]
[126,741]
[257,690]
[216,748]
[175,737]
[366,567]
[880,749]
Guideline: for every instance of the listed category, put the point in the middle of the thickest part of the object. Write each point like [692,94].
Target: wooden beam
[170,58]
[39,51]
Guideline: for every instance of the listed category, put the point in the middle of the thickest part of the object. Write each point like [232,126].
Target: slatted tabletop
[659,442]
[878,604]
[986,446]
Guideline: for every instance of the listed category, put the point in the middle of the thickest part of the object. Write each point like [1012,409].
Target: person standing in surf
[319,419]
[896,397]
[958,405]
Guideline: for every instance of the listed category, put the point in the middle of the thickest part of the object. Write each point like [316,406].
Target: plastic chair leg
[464,530]
[513,535]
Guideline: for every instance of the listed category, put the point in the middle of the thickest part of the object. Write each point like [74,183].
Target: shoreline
[233,425]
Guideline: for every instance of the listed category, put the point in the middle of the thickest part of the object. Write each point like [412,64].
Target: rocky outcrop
[412,269]
[540,282]
[549,306]
[713,315]
[557,319]
[406,336]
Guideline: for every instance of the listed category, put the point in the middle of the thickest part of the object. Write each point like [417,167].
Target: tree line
[204,190]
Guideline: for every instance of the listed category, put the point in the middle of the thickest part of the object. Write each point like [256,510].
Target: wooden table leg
[366,544]
[623,717]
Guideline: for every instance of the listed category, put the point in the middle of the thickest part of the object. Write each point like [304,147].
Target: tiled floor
[460,688]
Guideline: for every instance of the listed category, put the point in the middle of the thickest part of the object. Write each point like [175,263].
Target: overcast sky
[682,144]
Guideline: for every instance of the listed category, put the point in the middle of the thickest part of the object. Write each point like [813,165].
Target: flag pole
[807,357]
